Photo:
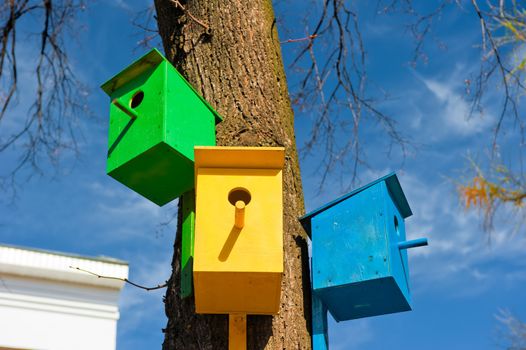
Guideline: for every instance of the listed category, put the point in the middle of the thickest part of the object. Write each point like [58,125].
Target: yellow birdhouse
[238,247]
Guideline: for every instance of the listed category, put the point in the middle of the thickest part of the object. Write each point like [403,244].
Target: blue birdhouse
[359,258]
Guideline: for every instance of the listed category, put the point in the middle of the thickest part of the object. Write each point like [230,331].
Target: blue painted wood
[359,256]
[420,242]
[349,241]
[320,335]
[392,183]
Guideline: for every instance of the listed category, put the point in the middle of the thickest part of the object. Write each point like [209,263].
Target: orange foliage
[475,194]
[483,194]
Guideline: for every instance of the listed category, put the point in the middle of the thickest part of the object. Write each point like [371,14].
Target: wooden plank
[237,332]
[187,244]
[239,157]
[320,336]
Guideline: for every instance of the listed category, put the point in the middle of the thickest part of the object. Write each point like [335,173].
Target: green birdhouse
[156,119]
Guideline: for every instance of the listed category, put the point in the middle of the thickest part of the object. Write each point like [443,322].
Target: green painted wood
[156,119]
[187,244]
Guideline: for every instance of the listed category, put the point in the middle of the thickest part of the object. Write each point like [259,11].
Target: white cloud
[454,110]
[458,254]
[127,214]
[130,208]
[121,4]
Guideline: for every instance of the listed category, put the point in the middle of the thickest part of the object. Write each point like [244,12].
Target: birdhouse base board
[237,292]
[364,299]
[160,174]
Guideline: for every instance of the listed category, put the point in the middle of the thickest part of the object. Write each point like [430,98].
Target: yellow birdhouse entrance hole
[238,248]
[239,198]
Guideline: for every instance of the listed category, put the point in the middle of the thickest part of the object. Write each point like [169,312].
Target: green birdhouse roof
[146,62]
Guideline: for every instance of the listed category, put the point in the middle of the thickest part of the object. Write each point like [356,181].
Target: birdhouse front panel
[129,135]
[238,247]
[156,118]
[351,234]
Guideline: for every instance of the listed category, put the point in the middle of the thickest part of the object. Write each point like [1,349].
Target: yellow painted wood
[237,332]
[256,293]
[238,270]
[240,214]
[236,157]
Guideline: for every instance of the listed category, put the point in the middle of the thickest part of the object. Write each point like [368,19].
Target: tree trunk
[230,52]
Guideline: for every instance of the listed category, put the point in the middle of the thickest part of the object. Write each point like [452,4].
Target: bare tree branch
[506,74]
[189,14]
[515,332]
[334,81]
[49,129]
[159,286]
[308,37]
[145,22]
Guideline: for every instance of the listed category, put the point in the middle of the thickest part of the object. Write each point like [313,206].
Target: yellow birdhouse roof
[239,157]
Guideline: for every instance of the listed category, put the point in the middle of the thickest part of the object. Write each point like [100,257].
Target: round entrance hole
[396,226]
[239,194]
[136,99]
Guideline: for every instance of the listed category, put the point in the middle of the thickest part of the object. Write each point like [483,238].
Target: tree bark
[230,52]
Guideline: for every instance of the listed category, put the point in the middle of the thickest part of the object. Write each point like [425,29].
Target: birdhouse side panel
[395,226]
[349,241]
[143,97]
[219,245]
[190,122]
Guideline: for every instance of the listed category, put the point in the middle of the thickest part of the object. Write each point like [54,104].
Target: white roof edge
[72,255]
[21,262]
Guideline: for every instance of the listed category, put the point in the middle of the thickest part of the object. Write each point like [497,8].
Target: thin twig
[503,70]
[202,24]
[50,126]
[160,286]
[309,37]
[334,78]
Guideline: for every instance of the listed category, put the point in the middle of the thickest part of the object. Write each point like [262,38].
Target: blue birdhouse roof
[393,186]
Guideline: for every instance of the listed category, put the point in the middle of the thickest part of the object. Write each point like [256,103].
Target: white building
[46,304]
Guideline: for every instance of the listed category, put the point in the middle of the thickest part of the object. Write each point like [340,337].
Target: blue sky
[459,283]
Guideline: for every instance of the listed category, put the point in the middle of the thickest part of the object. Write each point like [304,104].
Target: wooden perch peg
[125,109]
[420,242]
[240,214]
[237,331]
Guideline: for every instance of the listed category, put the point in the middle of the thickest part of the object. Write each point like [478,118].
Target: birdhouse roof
[239,157]
[393,185]
[149,60]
